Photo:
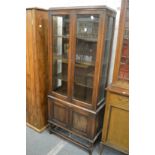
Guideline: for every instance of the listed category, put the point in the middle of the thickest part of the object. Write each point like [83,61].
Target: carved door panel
[80,122]
[58,113]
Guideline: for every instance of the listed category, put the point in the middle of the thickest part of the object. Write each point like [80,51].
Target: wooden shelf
[84,85]
[90,74]
[83,82]
[88,20]
[84,64]
[62,36]
[79,81]
[60,57]
[89,39]
[77,64]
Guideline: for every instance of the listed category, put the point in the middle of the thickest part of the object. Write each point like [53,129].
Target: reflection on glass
[86,43]
[124,64]
[105,59]
[60,53]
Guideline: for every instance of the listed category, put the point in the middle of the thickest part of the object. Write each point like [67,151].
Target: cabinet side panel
[41,56]
[106,119]
[28,80]
[30,86]
[36,68]
[99,120]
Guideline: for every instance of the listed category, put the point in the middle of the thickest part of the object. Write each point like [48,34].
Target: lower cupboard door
[118,132]
[81,124]
[58,113]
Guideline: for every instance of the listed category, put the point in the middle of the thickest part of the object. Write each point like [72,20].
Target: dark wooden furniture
[80,40]
[115,131]
[36,68]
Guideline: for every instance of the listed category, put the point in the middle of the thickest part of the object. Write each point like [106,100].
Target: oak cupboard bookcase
[36,68]
[116,119]
[80,41]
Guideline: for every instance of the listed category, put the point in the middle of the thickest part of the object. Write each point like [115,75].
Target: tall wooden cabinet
[80,41]
[115,131]
[36,68]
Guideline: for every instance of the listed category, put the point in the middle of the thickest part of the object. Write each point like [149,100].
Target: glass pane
[124,64]
[60,53]
[86,44]
[105,59]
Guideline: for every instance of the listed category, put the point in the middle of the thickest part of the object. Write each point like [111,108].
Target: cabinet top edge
[118,91]
[82,7]
[119,87]
[36,8]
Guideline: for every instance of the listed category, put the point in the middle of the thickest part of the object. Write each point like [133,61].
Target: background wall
[114,4]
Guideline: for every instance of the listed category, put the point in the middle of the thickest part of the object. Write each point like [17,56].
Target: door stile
[50,50]
[72,51]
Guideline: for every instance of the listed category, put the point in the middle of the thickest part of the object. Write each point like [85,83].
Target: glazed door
[87,26]
[60,49]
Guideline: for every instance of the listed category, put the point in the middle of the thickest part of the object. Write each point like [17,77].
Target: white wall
[114,4]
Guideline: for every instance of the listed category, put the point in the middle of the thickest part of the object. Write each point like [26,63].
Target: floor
[49,144]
